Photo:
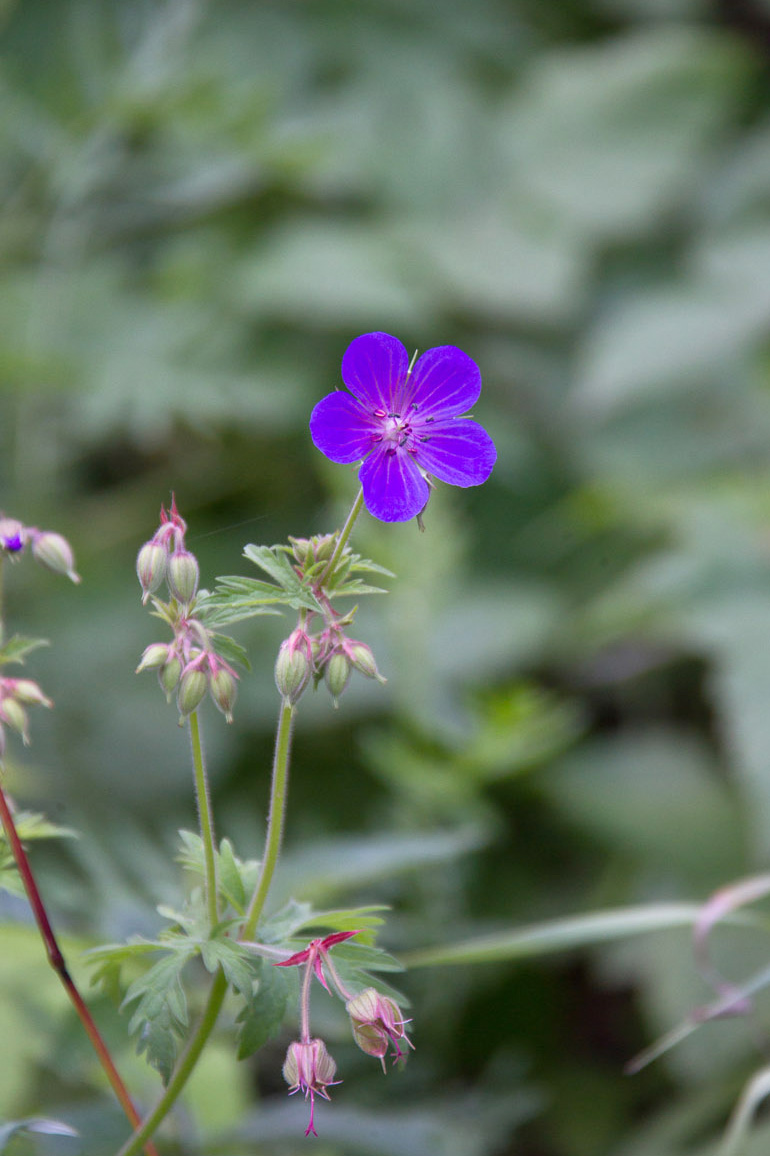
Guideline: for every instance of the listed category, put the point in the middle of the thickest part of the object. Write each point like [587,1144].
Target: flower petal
[458,451]
[341,428]
[445,382]
[374,368]
[394,489]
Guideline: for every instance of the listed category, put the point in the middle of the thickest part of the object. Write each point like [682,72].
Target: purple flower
[404,425]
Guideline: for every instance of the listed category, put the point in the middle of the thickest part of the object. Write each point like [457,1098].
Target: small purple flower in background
[404,425]
[11,536]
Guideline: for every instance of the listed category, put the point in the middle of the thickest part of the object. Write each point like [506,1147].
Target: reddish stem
[56,959]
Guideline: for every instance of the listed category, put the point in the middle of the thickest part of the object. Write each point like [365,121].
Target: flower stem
[183,1069]
[342,537]
[56,959]
[219,986]
[206,820]
[275,821]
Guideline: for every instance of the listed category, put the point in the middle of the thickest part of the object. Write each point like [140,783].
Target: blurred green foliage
[200,206]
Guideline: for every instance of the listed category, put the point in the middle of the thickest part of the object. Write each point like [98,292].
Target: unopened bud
[323,546]
[337,675]
[169,675]
[151,565]
[192,687]
[182,575]
[377,1024]
[25,691]
[156,654]
[14,714]
[55,553]
[224,691]
[362,659]
[294,666]
[300,548]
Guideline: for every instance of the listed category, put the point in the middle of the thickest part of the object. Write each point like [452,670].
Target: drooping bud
[362,659]
[294,665]
[169,675]
[309,1069]
[25,691]
[182,575]
[377,1023]
[337,675]
[55,553]
[151,565]
[224,691]
[192,687]
[156,654]
[14,714]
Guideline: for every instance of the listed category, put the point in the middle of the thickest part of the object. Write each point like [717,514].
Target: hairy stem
[56,959]
[206,819]
[275,821]
[342,537]
[183,1069]
[219,986]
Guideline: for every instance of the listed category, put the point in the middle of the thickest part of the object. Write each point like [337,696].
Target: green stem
[219,987]
[183,1069]
[342,537]
[275,822]
[206,820]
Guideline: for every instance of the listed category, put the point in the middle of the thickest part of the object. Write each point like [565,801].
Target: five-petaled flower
[316,952]
[406,426]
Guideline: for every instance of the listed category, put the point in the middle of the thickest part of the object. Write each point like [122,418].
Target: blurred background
[201,204]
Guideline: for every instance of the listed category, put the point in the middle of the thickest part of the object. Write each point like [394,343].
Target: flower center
[395,430]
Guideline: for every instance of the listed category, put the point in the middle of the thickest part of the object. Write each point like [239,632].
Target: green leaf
[559,935]
[240,966]
[262,1015]
[273,561]
[348,919]
[29,825]
[37,1125]
[160,1015]
[284,923]
[231,651]
[17,648]
[236,877]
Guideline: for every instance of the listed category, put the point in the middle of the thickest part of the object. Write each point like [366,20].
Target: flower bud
[182,575]
[323,546]
[362,659]
[169,675]
[294,665]
[223,688]
[192,687]
[25,691]
[14,714]
[151,565]
[377,1023]
[55,553]
[337,675]
[300,548]
[309,1069]
[156,654]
